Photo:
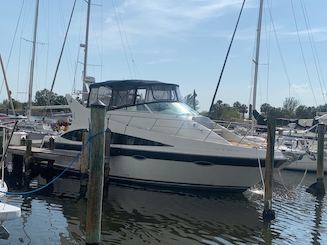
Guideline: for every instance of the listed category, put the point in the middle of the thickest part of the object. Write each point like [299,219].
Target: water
[143,216]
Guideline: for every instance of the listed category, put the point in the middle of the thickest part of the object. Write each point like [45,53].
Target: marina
[127,159]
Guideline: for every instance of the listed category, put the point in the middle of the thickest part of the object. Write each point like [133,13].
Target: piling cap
[98,103]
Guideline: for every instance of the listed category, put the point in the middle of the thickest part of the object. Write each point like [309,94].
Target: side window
[123,98]
[93,96]
[122,139]
[75,135]
[104,94]
[140,96]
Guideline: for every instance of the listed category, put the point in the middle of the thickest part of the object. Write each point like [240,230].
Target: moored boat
[158,140]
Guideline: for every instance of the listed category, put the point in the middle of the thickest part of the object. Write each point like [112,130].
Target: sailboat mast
[84,94]
[7,87]
[30,87]
[257,53]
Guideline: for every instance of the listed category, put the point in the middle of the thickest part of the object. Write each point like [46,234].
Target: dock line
[45,186]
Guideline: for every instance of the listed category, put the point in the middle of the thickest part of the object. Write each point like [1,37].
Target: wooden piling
[318,188]
[1,140]
[268,212]
[107,156]
[84,158]
[28,156]
[83,164]
[96,174]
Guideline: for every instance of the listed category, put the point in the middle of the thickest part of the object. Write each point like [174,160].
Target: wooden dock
[57,157]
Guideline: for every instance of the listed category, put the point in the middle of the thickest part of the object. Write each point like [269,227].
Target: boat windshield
[172,108]
[119,97]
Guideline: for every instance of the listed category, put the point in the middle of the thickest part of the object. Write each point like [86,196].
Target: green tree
[237,105]
[289,106]
[229,114]
[224,111]
[265,108]
[243,109]
[45,97]
[303,111]
[17,104]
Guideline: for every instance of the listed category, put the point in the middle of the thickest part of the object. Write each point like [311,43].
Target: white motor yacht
[158,140]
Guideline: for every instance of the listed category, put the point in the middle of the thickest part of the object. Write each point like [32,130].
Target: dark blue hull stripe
[180,157]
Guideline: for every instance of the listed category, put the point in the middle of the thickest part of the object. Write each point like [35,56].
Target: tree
[224,111]
[191,101]
[237,105]
[305,112]
[290,105]
[17,104]
[265,108]
[45,97]
[243,109]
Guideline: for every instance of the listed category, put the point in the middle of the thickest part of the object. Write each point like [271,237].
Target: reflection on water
[140,216]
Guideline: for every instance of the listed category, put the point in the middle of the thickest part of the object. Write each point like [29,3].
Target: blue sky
[181,42]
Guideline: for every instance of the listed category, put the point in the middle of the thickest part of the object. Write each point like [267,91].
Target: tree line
[42,98]
[291,109]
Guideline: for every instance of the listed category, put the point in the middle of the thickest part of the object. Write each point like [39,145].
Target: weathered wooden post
[318,188]
[83,163]
[96,174]
[28,156]
[268,212]
[107,155]
[1,140]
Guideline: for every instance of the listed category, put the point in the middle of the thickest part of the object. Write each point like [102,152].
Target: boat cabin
[139,95]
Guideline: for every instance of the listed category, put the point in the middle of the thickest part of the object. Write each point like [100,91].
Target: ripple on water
[140,216]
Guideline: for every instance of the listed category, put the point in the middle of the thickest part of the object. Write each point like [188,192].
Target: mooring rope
[46,185]
[260,170]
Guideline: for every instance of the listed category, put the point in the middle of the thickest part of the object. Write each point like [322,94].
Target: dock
[57,157]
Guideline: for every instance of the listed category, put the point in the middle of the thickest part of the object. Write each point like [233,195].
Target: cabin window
[162,93]
[123,98]
[140,96]
[93,96]
[102,93]
[75,135]
[122,139]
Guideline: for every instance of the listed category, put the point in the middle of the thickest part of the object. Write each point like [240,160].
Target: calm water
[139,216]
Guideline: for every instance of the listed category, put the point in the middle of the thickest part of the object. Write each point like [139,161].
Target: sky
[182,42]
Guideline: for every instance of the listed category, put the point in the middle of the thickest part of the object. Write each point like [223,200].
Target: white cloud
[318,33]
[299,89]
[160,18]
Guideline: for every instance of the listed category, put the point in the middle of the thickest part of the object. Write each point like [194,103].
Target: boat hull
[179,174]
